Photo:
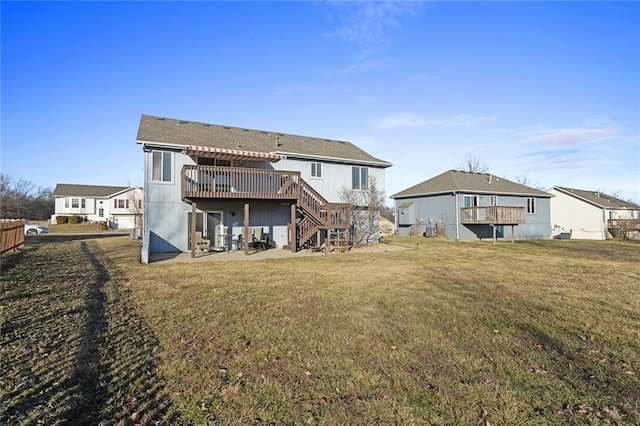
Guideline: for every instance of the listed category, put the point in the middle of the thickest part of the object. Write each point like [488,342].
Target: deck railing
[237,182]
[630,224]
[247,183]
[492,215]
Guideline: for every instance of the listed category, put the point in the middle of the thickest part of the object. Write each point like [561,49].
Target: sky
[543,91]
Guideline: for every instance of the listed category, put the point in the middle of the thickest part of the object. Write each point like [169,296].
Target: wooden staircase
[314,213]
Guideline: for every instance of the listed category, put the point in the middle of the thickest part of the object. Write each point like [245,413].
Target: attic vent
[181,122]
[162,119]
[206,125]
[246,130]
[227,127]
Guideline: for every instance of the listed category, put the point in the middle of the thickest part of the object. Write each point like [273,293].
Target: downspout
[455,194]
[144,256]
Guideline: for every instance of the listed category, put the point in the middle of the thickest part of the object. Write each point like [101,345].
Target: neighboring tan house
[592,215]
[117,205]
[222,183]
[465,206]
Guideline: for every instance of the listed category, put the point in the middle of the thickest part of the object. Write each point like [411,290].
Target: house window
[66,203]
[161,167]
[531,205]
[83,203]
[360,178]
[471,201]
[316,170]
[100,212]
[75,203]
[493,200]
[121,204]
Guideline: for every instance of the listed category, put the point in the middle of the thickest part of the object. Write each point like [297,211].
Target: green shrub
[74,219]
[61,220]
[104,226]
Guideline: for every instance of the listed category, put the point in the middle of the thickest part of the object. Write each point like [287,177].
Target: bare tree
[136,207]
[23,199]
[527,181]
[473,164]
[365,212]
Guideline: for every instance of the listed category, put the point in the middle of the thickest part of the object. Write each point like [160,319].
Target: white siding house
[118,206]
[588,215]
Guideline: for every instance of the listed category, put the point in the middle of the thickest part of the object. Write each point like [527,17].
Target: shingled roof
[460,181]
[598,198]
[97,191]
[184,134]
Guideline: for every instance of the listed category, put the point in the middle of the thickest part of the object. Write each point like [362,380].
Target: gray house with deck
[226,183]
[465,206]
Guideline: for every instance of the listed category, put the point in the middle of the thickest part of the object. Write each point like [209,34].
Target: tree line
[22,199]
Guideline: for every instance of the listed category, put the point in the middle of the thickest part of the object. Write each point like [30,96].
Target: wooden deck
[492,215]
[311,212]
[237,182]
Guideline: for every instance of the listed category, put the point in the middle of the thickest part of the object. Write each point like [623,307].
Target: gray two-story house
[465,206]
[222,182]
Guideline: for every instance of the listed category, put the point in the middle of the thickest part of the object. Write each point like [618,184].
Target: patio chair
[202,245]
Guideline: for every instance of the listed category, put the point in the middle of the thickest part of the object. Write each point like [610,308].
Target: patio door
[210,224]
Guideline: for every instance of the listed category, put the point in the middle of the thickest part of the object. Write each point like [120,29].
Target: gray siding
[335,176]
[166,221]
[443,211]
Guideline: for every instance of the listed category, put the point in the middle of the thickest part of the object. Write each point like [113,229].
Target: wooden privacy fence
[11,234]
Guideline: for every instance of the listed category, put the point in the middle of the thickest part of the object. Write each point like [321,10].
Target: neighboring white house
[116,205]
[588,215]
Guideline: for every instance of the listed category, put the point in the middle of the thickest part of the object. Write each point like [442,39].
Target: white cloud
[366,23]
[575,136]
[406,119]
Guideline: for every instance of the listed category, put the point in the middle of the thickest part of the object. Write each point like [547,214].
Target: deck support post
[292,243]
[513,236]
[193,228]
[245,231]
[494,233]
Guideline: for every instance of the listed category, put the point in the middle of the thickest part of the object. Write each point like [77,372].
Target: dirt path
[73,348]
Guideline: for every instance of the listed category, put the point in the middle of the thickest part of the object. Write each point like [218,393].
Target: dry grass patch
[445,333]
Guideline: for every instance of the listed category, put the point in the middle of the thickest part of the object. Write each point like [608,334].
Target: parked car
[35,229]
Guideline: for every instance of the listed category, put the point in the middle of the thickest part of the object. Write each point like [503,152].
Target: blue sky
[549,91]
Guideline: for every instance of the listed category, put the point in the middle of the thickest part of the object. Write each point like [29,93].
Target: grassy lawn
[541,332]
[74,228]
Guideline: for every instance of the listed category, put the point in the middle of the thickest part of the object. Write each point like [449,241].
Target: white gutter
[334,159]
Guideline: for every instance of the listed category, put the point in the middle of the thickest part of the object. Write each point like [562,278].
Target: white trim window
[531,205]
[316,170]
[66,203]
[470,201]
[83,203]
[493,200]
[161,166]
[75,203]
[360,178]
